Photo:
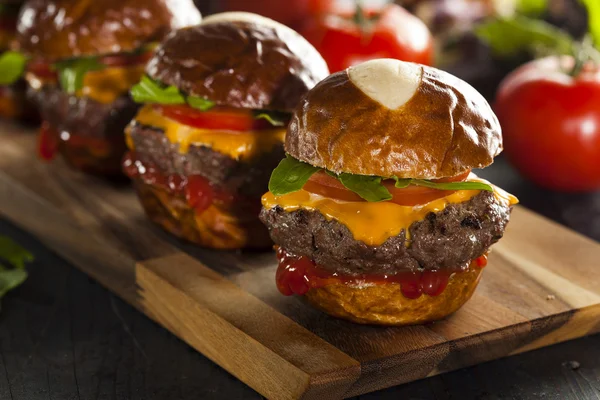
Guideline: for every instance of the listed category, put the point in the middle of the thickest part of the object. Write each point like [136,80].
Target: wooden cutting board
[542,286]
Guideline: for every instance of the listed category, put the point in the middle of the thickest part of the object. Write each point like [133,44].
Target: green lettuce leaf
[275,119]
[72,72]
[452,185]
[514,36]
[403,183]
[12,67]
[150,91]
[12,265]
[290,176]
[367,187]
[199,103]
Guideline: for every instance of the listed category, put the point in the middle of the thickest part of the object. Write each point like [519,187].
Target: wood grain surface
[541,287]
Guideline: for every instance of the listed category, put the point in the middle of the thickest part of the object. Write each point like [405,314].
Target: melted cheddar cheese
[374,223]
[107,85]
[236,145]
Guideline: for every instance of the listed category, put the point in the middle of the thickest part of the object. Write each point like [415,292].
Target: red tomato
[216,118]
[328,186]
[391,32]
[323,184]
[291,12]
[551,123]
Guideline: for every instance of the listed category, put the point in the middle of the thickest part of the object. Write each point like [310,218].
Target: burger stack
[83,58]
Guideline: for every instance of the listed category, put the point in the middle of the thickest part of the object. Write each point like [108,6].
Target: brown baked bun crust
[59,29]
[384,304]
[240,60]
[220,226]
[392,118]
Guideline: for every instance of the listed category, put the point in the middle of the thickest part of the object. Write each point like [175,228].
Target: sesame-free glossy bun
[384,304]
[391,118]
[240,60]
[59,29]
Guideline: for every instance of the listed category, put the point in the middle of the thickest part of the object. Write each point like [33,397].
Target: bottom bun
[220,226]
[384,304]
[93,155]
[14,104]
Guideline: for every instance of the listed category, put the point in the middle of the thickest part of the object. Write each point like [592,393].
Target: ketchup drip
[297,275]
[196,189]
[47,142]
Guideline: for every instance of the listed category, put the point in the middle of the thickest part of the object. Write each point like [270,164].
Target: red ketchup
[297,275]
[47,142]
[197,190]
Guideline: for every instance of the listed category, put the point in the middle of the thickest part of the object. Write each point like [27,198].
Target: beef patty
[83,116]
[245,177]
[446,239]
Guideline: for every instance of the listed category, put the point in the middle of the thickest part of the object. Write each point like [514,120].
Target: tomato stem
[363,18]
[359,15]
[584,52]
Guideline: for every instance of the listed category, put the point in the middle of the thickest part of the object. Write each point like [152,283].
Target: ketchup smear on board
[297,275]
[47,142]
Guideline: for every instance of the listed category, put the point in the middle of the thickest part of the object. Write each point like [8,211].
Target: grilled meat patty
[247,177]
[446,239]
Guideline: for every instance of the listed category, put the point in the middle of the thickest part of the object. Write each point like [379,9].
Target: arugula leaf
[10,279]
[199,103]
[593,10]
[452,185]
[12,67]
[14,254]
[275,119]
[290,176]
[510,37]
[16,257]
[367,187]
[149,91]
[402,183]
[72,72]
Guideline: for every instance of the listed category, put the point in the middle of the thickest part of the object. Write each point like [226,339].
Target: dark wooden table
[62,336]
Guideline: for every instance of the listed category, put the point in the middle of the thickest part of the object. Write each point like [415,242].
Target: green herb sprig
[12,265]
[520,34]
[150,91]
[72,72]
[291,175]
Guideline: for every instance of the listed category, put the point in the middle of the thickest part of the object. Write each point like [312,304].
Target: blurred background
[452,23]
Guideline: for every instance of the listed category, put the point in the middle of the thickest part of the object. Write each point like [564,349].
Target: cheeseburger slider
[375,212]
[13,102]
[218,98]
[84,56]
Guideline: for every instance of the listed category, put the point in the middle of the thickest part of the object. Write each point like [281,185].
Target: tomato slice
[323,184]
[216,118]
[41,69]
